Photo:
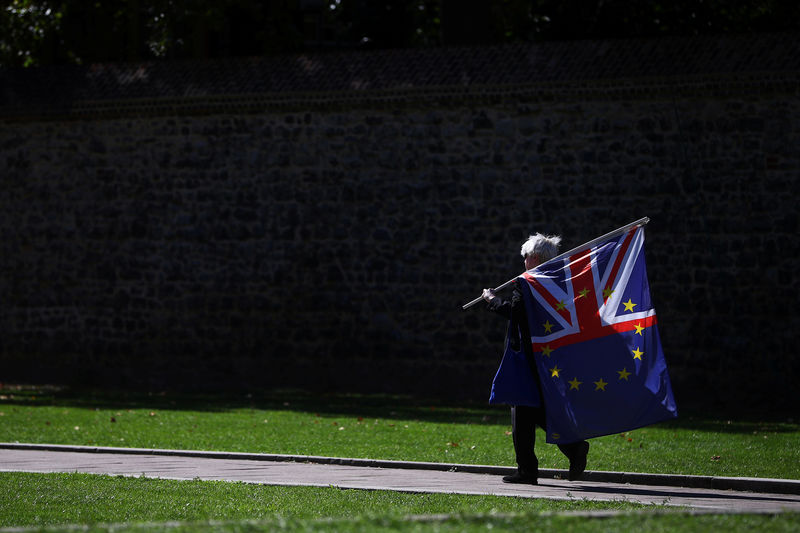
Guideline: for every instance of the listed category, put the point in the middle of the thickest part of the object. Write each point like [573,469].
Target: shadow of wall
[317,222]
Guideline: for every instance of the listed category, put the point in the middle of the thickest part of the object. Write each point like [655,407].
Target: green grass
[378,427]
[104,503]
[381,427]
[46,499]
[527,522]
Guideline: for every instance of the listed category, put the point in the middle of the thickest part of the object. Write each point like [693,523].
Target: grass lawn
[380,427]
[45,499]
[59,502]
[354,426]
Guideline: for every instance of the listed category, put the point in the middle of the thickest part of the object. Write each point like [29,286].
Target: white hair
[545,246]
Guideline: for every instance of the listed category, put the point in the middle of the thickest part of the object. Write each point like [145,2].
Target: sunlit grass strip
[51,499]
[381,427]
[568,521]
[86,502]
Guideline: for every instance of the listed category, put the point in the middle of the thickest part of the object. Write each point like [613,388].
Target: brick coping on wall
[614,69]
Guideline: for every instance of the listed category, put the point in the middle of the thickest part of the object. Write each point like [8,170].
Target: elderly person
[524,419]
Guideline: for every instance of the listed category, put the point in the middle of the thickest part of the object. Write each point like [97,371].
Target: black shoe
[577,463]
[519,477]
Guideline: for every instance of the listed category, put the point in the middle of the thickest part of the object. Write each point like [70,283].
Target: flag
[595,341]
[514,383]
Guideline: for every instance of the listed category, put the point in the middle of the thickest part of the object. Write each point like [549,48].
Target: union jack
[585,296]
[591,319]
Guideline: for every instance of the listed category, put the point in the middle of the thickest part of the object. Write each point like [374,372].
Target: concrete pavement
[761,496]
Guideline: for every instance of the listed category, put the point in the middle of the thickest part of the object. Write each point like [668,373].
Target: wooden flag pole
[584,246]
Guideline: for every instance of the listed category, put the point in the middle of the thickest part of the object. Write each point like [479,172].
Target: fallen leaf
[716,458]
[508,433]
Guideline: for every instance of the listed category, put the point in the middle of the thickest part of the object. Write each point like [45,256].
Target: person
[524,419]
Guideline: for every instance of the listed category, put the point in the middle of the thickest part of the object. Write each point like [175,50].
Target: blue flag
[514,383]
[595,341]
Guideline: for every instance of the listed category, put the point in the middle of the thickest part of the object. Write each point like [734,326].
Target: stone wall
[200,232]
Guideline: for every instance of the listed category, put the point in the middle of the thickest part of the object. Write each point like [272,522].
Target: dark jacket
[513,309]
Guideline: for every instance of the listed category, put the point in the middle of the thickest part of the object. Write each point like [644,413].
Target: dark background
[52,32]
[313,213]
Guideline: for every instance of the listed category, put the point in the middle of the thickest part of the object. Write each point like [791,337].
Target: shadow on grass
[365,405]
[727,422]
[695,418]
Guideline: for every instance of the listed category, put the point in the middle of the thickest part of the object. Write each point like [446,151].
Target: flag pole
[584,246]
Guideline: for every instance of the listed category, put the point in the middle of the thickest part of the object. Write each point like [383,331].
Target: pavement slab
[381,478]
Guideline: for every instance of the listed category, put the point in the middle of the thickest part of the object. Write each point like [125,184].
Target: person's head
[539,248]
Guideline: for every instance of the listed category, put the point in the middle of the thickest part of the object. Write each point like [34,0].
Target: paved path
[271,472]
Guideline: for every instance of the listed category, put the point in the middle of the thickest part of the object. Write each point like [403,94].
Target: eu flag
[595,341]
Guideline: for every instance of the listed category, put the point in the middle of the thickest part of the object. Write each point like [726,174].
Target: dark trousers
[524,420]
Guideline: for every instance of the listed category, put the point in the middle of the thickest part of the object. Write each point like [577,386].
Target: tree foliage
[41,32]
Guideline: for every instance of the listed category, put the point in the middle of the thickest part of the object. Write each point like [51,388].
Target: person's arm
[500,305]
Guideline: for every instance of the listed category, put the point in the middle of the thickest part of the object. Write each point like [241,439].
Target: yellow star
[639,329]
[548,327]
[608,291]
[546,350]
[583,292]
[555,370]
[623,374]
[637,354]
[600,385]
[574,384]
[561,305]
[629,305]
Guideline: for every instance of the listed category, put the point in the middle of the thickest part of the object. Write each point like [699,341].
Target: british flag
[595,340]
